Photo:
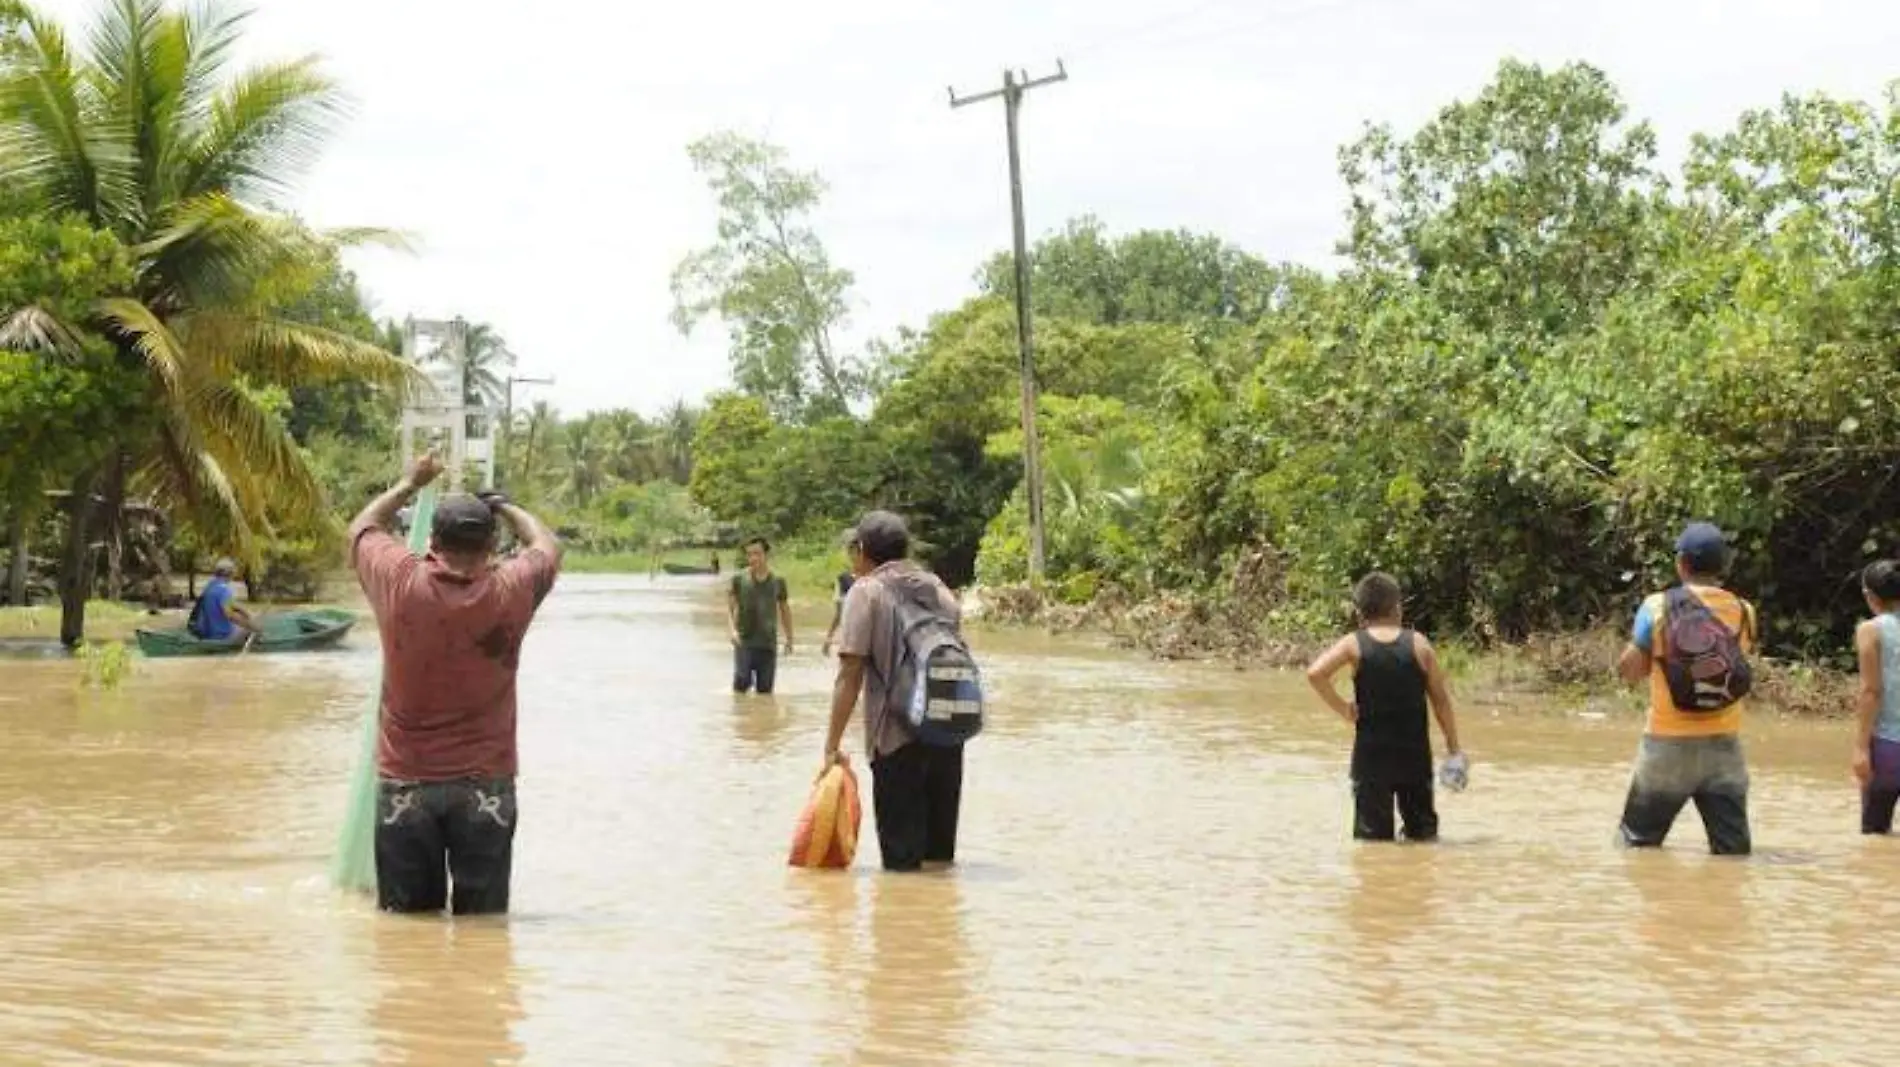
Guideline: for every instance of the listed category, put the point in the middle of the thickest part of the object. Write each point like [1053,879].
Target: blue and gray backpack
[935,686]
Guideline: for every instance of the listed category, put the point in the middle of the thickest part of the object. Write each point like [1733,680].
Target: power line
[1187,34]
[1101,41]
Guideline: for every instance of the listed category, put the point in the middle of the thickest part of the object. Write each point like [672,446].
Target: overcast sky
[537,151]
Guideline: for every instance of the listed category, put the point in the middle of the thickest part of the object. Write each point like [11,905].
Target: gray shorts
[1672,771]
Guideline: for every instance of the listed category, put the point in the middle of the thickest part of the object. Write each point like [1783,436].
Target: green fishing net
[354,865]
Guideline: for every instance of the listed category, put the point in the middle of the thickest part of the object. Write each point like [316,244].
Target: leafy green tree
[960,388]
[769,279]
[733,435]
[650,517]
[1152,276]
[1524,210]
[150,136]
[61,397]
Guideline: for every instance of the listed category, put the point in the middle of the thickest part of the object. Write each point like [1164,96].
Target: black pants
[917,792]
[431,833]
[1876,809]
[753,668]
[1372,804]
[1670,772]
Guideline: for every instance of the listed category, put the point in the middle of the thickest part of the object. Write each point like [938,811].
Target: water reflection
[1394,894]
[446,993]
[918,989]
[762,724]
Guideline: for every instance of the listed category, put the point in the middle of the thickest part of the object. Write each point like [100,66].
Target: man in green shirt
[756,608]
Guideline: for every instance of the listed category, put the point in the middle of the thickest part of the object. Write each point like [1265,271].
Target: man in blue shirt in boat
[216,616]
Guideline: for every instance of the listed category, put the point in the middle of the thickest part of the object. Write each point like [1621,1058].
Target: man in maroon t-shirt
[452,623]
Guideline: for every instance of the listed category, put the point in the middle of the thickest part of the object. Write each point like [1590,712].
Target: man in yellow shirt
[1691,643]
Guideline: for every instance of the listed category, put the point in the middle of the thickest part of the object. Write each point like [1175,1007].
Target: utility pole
[1015,84]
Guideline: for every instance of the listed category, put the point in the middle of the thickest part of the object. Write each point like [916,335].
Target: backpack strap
[1659,638]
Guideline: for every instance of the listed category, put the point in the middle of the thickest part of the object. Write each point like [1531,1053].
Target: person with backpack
[1395,674]
[901,650]
[1876,760]
[1692,643]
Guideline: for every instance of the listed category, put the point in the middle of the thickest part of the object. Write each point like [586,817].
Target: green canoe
[290,631]
[684,568]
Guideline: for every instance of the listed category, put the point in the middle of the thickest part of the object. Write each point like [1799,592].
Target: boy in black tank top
[1395,674]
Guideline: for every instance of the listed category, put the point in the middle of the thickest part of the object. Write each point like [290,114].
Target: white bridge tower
[442,413]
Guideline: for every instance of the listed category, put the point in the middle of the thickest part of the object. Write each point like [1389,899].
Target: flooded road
[1156,869]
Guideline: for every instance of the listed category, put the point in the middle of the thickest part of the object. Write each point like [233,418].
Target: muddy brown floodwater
[1156,869]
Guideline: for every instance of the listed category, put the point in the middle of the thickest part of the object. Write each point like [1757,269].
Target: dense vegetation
[1541,355]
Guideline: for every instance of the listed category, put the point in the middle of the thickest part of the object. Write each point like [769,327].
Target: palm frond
[54,140]
[180,475]
[265,129]
[34,329]
[369,237]
[128,74]
[244,437]
[209,33]
[288,353]
[164,354]
[212,251]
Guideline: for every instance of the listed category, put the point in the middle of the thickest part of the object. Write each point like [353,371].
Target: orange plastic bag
[827,834]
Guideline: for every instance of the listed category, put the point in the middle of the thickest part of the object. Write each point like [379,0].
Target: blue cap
[1704,547]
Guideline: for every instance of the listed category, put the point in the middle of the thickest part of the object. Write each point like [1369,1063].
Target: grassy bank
[808,574]
[1575,670]
[106,620]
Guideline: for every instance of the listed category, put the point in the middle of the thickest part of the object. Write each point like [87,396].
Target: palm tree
[1100,476]
[678,425]
[586,460]
[485,366]
[147,135]
[630,448]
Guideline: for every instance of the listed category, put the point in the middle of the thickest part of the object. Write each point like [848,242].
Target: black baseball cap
[463,522]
